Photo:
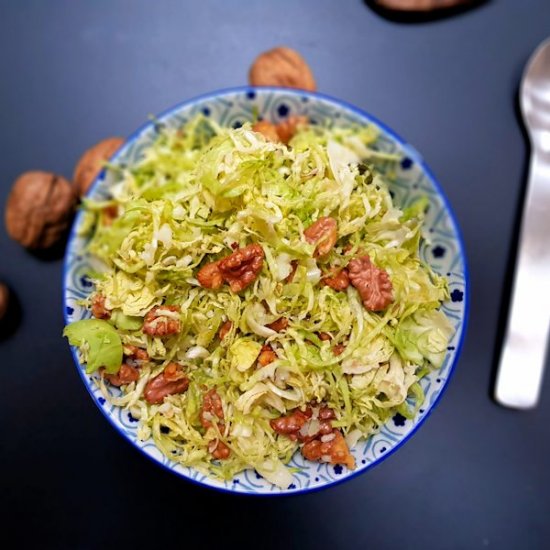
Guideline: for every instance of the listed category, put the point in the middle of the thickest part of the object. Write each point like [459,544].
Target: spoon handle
[523,355]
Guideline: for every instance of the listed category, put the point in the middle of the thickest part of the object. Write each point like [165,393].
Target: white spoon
[523,355]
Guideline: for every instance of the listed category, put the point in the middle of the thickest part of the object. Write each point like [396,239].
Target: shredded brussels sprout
[197,194]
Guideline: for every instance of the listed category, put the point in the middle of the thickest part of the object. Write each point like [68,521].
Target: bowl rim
[362,114]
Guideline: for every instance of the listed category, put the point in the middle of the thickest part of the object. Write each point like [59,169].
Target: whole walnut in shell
[39,209]
[92,161]
[282,67]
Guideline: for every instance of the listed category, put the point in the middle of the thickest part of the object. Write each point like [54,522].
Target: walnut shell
[282,67]
[91,163]
[4,300]
[39,209]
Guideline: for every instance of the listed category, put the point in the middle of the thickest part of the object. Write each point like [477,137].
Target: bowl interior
[442,249]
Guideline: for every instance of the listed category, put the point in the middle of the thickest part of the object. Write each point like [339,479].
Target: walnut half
[372,283]
[39,209]
[324,232]
[284,131]
[239,269]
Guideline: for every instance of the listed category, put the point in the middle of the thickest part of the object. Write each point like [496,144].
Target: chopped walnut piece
[128,371]
[211,408]
[288,127]
[267,355]
[124,376]
[211,411]
[291,423]
[171,381]
[99,311]
[278,325]
[326,413]
[348,248]
[173,372]
[284,131]
[304,426]
[218,449]
[325,427]
[210,276]
[372,283]
[109,214]
[338,349]
[225,329]
[267,129]
[337,279]
[329,448]
[136,354]
[314,429]
[293,268]
[324,232]
[162,321]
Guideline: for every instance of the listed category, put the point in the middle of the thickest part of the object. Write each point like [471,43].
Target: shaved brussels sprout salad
[259,297]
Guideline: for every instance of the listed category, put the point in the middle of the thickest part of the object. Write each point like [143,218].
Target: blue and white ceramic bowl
[412,178]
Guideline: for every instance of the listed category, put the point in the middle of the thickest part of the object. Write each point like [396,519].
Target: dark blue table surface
[73,72]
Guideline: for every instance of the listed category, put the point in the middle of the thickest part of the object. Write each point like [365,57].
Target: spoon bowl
[535,94]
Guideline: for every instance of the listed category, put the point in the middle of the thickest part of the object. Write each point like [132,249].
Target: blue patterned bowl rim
[364,115]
